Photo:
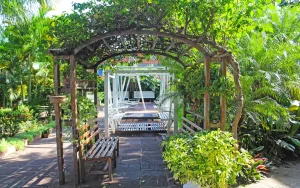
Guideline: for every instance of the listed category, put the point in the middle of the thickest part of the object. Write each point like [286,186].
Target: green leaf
[258,148]
[294,106]
[295,141]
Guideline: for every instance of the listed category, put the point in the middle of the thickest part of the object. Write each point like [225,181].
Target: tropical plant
[197,158]
[22,44]
[269,65]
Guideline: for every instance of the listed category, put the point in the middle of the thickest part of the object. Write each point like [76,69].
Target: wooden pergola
[145,38]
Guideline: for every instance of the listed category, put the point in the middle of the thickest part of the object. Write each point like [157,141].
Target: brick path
[35,166]
[139,165]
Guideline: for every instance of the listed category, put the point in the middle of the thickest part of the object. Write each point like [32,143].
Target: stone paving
[140,164]
[35,166]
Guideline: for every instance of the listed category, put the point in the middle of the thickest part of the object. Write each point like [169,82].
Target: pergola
[147,34]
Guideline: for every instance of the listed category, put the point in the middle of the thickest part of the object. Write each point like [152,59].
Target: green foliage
[86,109]
[17,142]
[11,119]
[269,64]
[209,159]
[23,44]
[29,134]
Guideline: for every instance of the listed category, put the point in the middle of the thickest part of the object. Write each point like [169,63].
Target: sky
[61,6]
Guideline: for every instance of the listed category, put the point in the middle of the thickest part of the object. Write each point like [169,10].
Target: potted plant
[46,132]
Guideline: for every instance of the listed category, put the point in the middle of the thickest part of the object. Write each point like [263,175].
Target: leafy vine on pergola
[98,31]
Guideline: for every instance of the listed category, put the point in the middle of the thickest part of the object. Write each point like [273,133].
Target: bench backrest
[88,134]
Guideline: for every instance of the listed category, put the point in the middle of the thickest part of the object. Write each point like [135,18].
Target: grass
[4,145]
[18,140]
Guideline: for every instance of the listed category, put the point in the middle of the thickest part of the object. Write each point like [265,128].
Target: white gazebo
[115,97]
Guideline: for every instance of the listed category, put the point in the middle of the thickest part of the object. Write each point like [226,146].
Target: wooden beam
[108,46]
[206,95]
[138,71]
[133,52]
[95,90]
[223,98]
[74,117]
[123,42]
[61,57]
[59,144]
[154,42]
[176,107]
[56,78]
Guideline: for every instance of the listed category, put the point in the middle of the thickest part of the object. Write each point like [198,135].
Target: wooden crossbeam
[108,46]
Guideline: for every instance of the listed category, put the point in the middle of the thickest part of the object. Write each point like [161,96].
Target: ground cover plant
[209,159]
[29,134]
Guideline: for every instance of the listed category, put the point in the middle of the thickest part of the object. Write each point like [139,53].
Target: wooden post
[56,78]
[223,98]
[206,95]
[96,89]
[184,106]
[74,117]
[56,100]
[176,108]
[106,82]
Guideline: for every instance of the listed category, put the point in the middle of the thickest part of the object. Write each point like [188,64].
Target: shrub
[26,136]
[209,159]
[11,119]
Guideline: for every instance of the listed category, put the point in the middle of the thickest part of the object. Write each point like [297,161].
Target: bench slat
[85,135]
[104,145]
[90,138]
[108,146]
[97,144]
[115,141]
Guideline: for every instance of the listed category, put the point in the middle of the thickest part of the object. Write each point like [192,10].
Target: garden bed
[18,142]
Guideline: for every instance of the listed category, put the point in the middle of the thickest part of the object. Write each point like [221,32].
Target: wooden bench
[96,148]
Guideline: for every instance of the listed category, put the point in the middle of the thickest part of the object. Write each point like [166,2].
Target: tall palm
[13,11]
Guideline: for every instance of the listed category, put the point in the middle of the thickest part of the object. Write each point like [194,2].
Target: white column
[141,92]
[115,91]
[106,101]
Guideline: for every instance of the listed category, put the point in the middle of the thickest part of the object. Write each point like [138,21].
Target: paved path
[140,164]
[35,166]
